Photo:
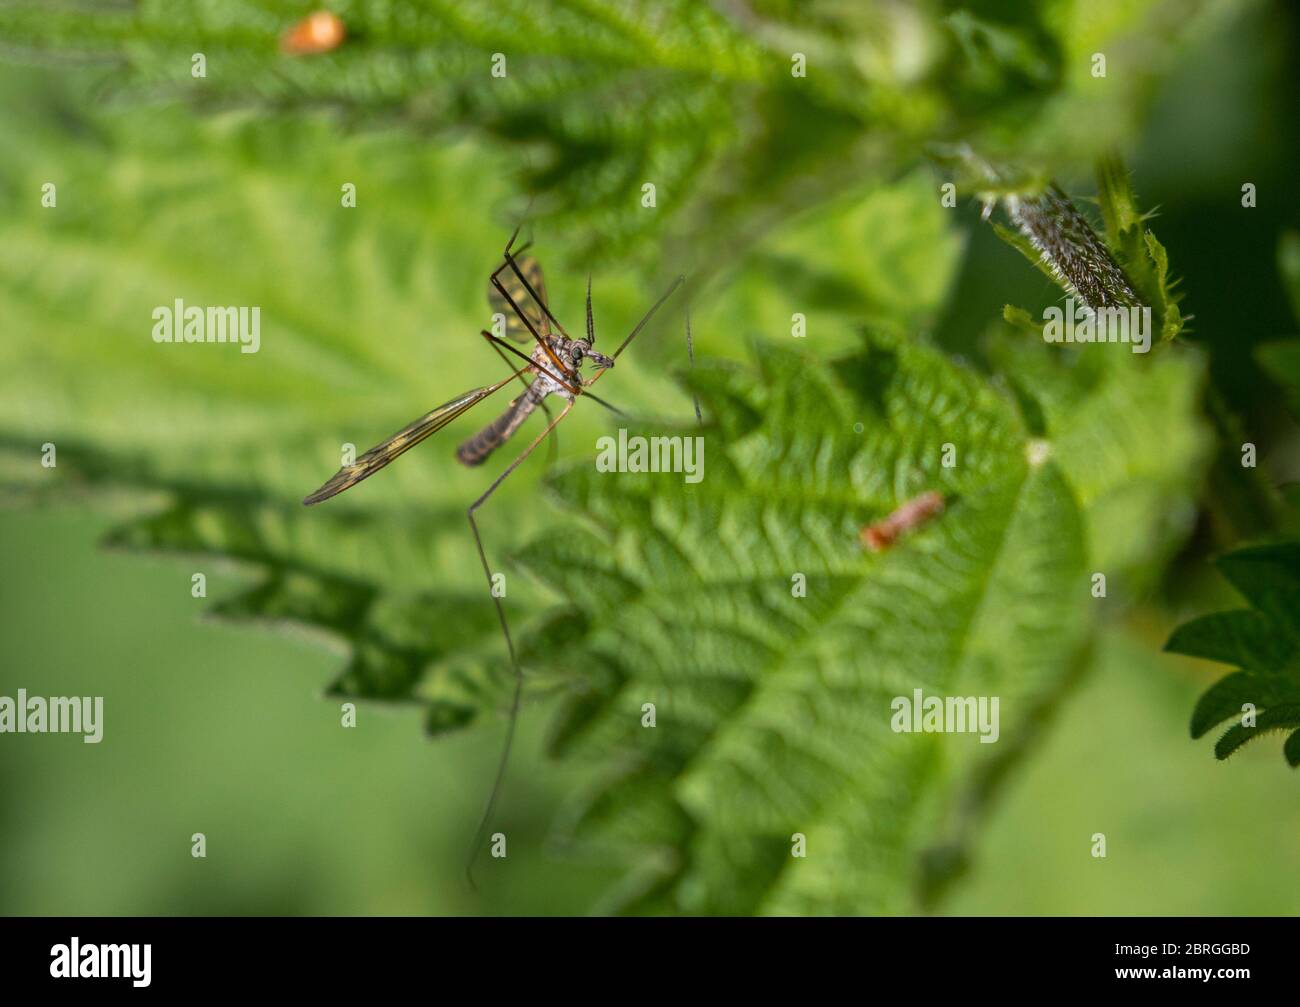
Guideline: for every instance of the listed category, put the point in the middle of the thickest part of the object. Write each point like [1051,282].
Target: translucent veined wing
[405,439]
[515,328]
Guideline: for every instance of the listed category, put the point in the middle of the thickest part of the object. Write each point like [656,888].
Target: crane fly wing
[515,327]
[402,441]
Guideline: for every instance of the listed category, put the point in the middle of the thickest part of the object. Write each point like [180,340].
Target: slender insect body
[517,294]
[478,448]
[572,353]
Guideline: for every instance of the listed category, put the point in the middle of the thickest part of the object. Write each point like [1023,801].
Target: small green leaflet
[1262,642]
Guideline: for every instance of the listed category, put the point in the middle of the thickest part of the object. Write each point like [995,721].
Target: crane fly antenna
[650,314]
[636,329]
[591,325]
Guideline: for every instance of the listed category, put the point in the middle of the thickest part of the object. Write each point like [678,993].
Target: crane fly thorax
[549,379]
[571,353]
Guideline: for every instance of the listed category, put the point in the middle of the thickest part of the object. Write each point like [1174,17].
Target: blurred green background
[222,729]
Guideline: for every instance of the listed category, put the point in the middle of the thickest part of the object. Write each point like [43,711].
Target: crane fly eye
[577,354]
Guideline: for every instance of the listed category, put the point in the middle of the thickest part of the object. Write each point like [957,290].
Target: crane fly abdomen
[478,448]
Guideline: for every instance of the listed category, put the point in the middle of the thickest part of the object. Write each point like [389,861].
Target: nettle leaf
[594,101]
[687,589]
[881,255]
[732,113]
[1128,432]
[457,674]
[1141,256]
[773,711]
[368,317]
[1262,641]
[1102,401]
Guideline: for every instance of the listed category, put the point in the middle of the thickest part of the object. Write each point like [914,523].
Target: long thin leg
[515,233]
[510,254]
[510,261]
[481,831]
[690,353]
[495,280]
[554,446]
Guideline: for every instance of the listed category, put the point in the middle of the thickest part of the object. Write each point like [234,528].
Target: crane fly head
[579,350]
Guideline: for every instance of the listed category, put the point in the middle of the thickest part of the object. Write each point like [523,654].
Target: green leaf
[880,255]
[1262,641]
[1139,253]
[996,52]
[1126,429]
[591,101]
[773,710]
[368,317]
[1118,205]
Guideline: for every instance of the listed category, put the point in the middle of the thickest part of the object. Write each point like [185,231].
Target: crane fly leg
[495,280]
[505,629]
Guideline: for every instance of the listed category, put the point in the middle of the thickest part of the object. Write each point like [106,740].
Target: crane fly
[555,367]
